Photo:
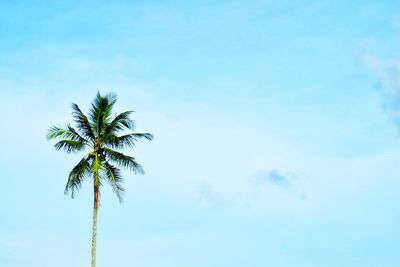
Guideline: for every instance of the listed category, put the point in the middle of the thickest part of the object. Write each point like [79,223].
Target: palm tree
[103,134]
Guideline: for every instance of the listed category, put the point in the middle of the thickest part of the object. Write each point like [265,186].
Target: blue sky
[276,130]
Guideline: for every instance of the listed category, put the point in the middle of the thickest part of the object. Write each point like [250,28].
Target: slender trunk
[94,230]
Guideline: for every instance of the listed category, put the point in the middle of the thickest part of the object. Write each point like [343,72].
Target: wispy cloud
[212,197]
[388,82]
[274,177]
[269,183]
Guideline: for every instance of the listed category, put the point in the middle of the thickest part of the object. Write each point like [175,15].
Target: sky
[276,129]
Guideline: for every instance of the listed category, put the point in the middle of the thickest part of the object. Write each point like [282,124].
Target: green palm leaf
[68,133]
[82,122]
[77,175]
[120,122]
[70,146]
[114,178]
[127,140]
[124,161]
[100,111]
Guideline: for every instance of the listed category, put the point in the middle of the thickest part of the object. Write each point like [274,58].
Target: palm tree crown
[103,134]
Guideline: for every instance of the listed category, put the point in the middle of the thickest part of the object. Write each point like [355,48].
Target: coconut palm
[102,133]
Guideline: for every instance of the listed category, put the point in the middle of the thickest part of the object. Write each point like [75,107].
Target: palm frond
[69,133]
[82,122]
[103,133]
[127,140]
[70,145]
[114,178]
[120,122]
[77,175]
[100,111]
[124,161]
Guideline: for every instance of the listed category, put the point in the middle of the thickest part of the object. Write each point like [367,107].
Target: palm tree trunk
[94,230]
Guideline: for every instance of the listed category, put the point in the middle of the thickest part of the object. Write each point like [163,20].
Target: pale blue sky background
[275,124]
